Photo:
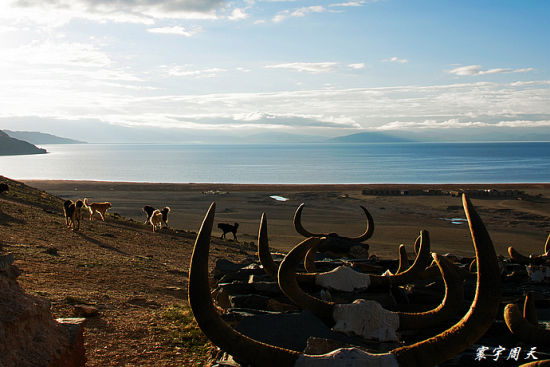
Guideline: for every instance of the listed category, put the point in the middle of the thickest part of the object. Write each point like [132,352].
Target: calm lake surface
[304,163]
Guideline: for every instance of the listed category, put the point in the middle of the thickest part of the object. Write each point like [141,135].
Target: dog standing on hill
[72,211]
[100,208]
[159,217]
[4,187]
[149,210]
[227,228]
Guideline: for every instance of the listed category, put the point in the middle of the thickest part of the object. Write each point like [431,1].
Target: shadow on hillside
[7,219]
[100,244]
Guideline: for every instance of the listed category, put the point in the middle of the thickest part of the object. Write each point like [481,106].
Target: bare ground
[137,278]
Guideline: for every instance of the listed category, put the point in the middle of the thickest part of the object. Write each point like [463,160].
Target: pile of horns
[429,352]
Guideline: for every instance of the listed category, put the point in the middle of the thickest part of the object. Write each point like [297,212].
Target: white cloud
[456,123]
[177,30]
[238,14]
[356,66]
[58,53]
[350,3]
[54,13]
[397,60]
[310,67]
[473,70]
[301,12]
[202,73]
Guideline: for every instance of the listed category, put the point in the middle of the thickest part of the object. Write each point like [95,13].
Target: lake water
[304,163]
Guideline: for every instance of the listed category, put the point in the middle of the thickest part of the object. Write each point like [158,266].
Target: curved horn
[429,352]
[289,284]
[368,231]
[482,312]
[547,245]
[517,257]
[244,349]
[301,230]
[403,259]
[410,275]
[298,224]
[309,261]
[449,306]
[452,301]
[523,329]
[264,255]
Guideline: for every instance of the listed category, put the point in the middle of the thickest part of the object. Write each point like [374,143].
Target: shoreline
[287,187]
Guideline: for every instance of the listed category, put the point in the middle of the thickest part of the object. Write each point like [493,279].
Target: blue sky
[323,68]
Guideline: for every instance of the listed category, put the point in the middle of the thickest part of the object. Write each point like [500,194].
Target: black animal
[148,210]
[226,228]
[4,187]
[73,213]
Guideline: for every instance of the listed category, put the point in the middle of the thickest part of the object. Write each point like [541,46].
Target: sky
[99,69]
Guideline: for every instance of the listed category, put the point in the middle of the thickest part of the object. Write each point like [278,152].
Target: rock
[85,310]
[29,336]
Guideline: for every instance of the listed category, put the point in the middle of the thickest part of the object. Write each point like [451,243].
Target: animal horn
[523,329]
[301,230]
[547,245]
[449,306]
[423,259]
[243,348]
[298,224]
[403,259]
[289,284]
[517,257]
[264,254]
[309,262]
[429,352]
[482,311]
[454,292]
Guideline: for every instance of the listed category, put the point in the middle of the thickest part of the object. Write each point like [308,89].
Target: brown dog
[73,213]
[100,208]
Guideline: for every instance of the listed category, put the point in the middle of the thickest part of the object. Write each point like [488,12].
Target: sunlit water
[305,163]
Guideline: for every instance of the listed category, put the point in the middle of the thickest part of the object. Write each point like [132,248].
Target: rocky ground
[137,279]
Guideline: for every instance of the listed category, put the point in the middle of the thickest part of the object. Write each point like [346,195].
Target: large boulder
[29,336]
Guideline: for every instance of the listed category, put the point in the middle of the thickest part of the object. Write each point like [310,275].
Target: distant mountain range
[35,137]
[368,137]
[12,146]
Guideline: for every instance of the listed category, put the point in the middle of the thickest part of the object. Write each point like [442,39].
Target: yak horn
[264,255]
[301,230]
[525,327]
[482,312]
[454,292]
[309,261]
[403,259]
[243,348]
[547,245]
[517,257]
[423,259]
[429,352]
[543,363]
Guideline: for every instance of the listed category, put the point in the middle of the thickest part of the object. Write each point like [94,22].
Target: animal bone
[429,352]
[332,314]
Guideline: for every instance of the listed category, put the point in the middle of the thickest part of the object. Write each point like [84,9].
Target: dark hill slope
[11,146]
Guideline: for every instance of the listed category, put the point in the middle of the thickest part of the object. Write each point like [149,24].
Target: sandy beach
[400,211]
